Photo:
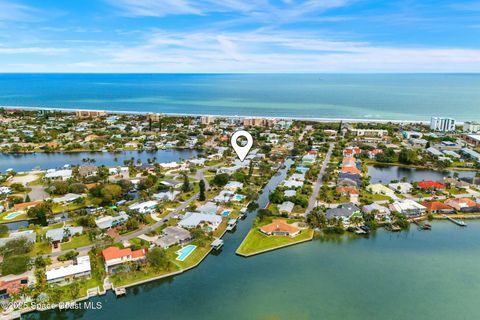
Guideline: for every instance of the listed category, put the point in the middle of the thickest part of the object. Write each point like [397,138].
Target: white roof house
[290,193]
[233,185]
[224,196]
[287,206]
[144,207]
[60,233]
[30,235]
[293,184]
[208,208]
[166,195]
[402,187]
[408,207]
[76,269]
[69,197]
[194,219]
[58,174]
[107,222]
[5,190]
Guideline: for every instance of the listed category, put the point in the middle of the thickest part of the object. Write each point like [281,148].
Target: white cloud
[33,50]
[11,11]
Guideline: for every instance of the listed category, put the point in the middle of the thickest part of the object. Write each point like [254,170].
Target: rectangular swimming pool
[185,252]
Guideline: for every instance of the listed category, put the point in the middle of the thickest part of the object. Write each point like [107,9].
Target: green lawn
[373,196]
[76,242]
[255,241]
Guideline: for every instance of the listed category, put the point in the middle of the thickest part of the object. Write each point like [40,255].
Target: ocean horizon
[396,97]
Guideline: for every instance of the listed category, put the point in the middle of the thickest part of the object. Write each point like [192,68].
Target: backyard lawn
[256,242]
[76,242]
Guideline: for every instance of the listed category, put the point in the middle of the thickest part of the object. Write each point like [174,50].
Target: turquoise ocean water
[359,96]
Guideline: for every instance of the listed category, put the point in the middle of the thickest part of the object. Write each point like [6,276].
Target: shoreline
[175,114]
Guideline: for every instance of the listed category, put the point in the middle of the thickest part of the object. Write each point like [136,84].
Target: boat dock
[232,223]
[457,222]
[217,244]
[120,292]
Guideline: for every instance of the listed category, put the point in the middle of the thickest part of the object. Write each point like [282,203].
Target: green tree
[221,179]
[157,258]
[201,195]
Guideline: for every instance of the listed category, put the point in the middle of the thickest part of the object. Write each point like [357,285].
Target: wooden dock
[457,222]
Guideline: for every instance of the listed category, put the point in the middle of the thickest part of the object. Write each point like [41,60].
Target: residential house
[286,207]
[344,212]
[463,204]
[408,207]
[437,207]
[107,222]
[13,284]
[173,235]
[166,195]
[196,219]
[53,174]
[55,236]
[379,188]
[401,187]
[280,227]
[65,272]
[29,235]
[381,212]
[144,207]
[115,257]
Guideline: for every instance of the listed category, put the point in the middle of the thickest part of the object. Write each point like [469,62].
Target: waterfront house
[344,212]
[379,188]
[65,272]
[401,187]
[29,235]
[87,171]
[437,207]
[280,227]
[115,257]
[195,219]
[408,207]
[430,185]
[13,284]
[173,235]
[463,204]
[380,212]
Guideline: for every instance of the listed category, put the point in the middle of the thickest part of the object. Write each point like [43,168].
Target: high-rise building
[442,124]
[89,114]
[207,120]
[471,126]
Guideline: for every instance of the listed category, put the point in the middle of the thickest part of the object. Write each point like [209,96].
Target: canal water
[385,174]
[408,275]
[29,161]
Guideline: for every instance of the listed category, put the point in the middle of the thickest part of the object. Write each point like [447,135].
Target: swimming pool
[12,215]
[185,252]
[238,197]
[226,213]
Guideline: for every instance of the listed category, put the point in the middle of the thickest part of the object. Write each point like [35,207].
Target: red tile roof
[430,184]
[115,253]
[279,225]
[435,205]
[13,286]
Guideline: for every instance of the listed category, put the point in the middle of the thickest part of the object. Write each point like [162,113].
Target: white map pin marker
[241,151]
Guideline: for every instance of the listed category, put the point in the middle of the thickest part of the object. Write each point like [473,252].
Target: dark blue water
[29,161]
[368,96]
[386,174]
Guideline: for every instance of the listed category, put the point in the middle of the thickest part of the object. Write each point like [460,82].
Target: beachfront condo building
[442,124]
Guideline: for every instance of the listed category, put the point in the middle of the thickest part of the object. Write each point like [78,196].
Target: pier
[120,292]
[457,222]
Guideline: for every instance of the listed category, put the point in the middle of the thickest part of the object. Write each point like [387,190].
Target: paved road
[38,193]
[319,182]
[199,175]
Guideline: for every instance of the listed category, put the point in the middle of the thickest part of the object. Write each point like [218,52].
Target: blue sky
[239,36]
